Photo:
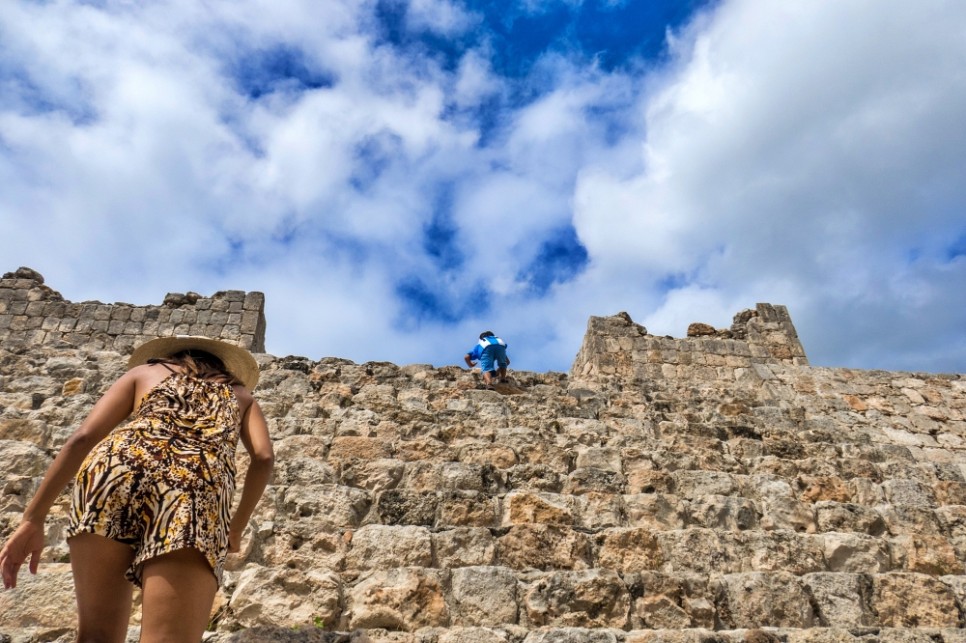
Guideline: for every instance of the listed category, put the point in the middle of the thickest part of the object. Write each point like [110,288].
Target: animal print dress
[165,480]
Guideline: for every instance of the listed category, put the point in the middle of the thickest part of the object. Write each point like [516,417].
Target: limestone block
[628,550]
[589,479]
[848,517]
[780,513]
[904,599]
[464,547]
[855,552]
[865,491]
[722,512]
[908,492]
[773,551]
[841,600]
[375,475]
[302,544]
[953,521]
[592,598]
[927,554]
[604,458]
[526,507]
[348,447]
[296,464]
[404,507]
[468,509]
[599,510]
[496,455]
[646,479]
[469,477]
[44,601]
[691,484]
[385,546]
[903,520]
[573,635]
[656,511]
[284,597]
[480,635]
[397,599]
[535,477]
[824,488]
[484,596]
[760,599]
[670,601]
[24,430]
[31,460]
[423,449]
[330,506]
[701,551]
[745,449]
[956,584]
[540,546]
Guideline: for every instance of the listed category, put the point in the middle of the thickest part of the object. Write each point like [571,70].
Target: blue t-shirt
[477,351]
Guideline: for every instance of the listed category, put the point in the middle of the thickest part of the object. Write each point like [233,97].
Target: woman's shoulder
[152,371]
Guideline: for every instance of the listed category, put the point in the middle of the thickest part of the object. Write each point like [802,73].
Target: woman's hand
[27,540]
[234,539]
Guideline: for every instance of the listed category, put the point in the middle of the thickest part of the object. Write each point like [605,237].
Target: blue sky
[398,175]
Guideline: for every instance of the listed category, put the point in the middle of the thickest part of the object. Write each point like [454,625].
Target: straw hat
[237,360]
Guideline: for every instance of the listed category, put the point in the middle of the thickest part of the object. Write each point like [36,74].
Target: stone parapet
[33,314]
[616,350]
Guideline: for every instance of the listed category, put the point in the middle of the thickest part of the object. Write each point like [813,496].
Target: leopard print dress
[164,481]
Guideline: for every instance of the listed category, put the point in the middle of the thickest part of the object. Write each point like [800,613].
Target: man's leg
[179,589]
[103,593]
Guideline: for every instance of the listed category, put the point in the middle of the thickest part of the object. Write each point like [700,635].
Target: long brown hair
[199,364]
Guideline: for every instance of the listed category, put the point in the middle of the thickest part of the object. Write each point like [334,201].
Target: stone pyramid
[710,488]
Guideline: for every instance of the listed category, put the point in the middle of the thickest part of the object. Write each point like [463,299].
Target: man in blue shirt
[491,352]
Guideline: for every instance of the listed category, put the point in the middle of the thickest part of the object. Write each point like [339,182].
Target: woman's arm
[28,539]
[258,443]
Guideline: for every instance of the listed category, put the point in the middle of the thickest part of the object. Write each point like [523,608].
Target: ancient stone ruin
[710,488]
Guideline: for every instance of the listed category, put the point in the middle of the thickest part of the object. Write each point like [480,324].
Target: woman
[151,502]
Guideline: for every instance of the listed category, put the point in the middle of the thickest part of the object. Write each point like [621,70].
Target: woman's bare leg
[103,594]
[177,595]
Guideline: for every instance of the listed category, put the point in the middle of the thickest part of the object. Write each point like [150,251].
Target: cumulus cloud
[398,176]
[804,155]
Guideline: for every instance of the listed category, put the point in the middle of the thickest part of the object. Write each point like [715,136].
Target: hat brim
[237,360]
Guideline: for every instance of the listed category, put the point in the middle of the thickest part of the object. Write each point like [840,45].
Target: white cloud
[802,154]
[808,147]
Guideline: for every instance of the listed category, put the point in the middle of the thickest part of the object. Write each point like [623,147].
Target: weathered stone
[284,597]
[913,600]
[843,599]
[760,599]
[484,596]
[670,601]
[593,598]
[42,601]
[464,547]
[629,550]
[540,546]
[384,546]
[397,599]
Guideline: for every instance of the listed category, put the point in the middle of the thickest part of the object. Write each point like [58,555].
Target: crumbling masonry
[709,488]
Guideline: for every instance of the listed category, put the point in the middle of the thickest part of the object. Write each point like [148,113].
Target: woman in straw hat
[152,497]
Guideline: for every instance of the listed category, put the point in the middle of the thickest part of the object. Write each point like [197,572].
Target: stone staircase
[711,488]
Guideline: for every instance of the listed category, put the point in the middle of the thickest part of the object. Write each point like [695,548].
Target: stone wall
[616,350]
[33,314]
[698,489]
